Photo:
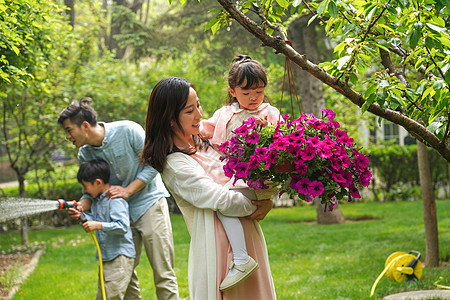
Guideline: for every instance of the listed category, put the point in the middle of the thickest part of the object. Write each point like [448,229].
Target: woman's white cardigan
[198,196]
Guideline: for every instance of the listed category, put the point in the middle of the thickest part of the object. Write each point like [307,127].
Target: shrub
[397,172]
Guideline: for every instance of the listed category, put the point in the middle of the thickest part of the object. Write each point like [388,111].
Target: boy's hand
[73,213]
[92,225]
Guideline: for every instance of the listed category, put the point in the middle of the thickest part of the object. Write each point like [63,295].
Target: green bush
[396,173]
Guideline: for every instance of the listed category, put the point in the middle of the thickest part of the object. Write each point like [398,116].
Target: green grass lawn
[308,261]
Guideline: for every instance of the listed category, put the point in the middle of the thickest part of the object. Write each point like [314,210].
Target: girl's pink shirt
[215,128]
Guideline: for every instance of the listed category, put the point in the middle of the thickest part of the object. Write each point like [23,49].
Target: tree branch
[412,126]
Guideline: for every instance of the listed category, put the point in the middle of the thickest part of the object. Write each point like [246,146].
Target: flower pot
[286,167]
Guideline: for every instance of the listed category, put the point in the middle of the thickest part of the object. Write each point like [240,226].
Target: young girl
[246,83]
[193,172]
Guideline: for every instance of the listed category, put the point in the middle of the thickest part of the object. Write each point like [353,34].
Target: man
[120,144]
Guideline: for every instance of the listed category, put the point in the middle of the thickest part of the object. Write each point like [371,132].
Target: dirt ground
[8,261]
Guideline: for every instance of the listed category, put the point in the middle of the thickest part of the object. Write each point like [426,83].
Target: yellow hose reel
[401,266]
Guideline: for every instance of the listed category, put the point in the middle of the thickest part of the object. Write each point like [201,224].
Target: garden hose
[440,285]
[100,263]
[401,266]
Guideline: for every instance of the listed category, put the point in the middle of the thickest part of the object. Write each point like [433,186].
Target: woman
[192,171]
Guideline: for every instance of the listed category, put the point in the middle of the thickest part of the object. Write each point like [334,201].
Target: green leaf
[368,102]
[415,36]
[343,60]
[296,3]
[429,91]
[429,42]
[213,22]
[322,7]
[419,63]
[312,19]
[15,49]
[447,77]
[370,90]
[283,3]
[435,27]
[333,9]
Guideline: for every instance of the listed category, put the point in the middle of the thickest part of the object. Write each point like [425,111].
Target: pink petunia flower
[253,138]
[316,188]
[308,153]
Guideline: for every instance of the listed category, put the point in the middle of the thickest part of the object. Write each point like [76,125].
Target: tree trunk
[115,30]
[70,11]
[305,39]
[429,207]
[24,219]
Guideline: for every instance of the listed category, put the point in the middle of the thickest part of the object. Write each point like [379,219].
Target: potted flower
[307,157]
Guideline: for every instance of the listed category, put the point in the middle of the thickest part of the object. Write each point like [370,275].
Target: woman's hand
[262,209]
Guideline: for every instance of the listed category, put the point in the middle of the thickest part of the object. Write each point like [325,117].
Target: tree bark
[70,11]
[429,207]
[311,90]
[115,30]
[24,219]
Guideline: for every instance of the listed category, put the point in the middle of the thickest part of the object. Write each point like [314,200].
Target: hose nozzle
[66,204]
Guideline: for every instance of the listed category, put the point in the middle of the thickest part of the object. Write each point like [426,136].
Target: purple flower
[303,186]
[261,153]
[279,144]
[251,122]
[241,169]
[232,162]
[328,113]
[313,141]
[258,184]
[341,135]
[308,153]
[354,192]
[223,147]
[335,163]
[316,188]
[347,141]
[345,161]
[253,138]
[242,130]
[347,179]
[364,177]
[324,151]
[228,171]
[309,198]
[253,162]
[301,167]
[360,161]
[271,158]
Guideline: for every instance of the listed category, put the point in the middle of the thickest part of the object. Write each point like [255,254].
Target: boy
[110,219]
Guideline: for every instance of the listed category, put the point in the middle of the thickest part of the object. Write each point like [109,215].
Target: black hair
[244,68]
[168,98]
[91,170]
[78,112]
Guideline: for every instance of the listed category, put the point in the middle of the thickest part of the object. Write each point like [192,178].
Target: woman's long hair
[167,99]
